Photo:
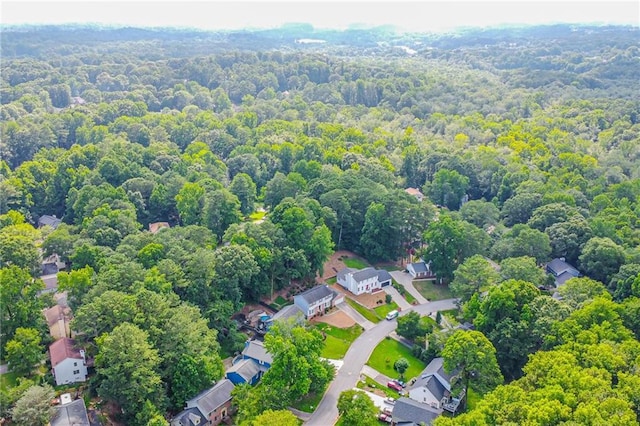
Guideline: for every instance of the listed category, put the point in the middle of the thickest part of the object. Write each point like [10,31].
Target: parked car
[391,315]
[390,400]
[384,418]
[394,386]
[400,382]
[387,411]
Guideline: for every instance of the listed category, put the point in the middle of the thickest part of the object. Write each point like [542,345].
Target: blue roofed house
[209,408]
[365,280]
[245,371]
[316,300]
[562,271]
[251,364]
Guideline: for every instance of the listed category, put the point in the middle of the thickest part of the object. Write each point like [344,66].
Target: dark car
[400,382]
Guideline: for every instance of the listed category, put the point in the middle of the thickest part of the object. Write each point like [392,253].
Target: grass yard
[310,402]
[352,262]
[432,291]
[384,309]
[367,313]
[388,352]
[338,339]
[369,384]
[280,302]
[331,281]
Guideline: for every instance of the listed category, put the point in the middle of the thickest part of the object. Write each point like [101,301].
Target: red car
[394,386]
[384,418]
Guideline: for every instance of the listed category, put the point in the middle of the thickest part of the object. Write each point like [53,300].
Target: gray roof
[287,312]
[246,368]
[420,267]
[344,272]
[316,293]
[189,417]
[255,349]
[435,379]
[558,266]
[49,220]
[563,278]
[71,414]
[49,268]
[365,274]
[407,410]
[209,400]
[383,276]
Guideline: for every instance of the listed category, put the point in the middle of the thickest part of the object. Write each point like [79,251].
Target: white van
[391,315]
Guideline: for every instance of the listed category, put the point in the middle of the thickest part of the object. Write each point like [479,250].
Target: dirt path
[334,264]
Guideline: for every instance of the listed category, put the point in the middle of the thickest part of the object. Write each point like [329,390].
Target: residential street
[356,357]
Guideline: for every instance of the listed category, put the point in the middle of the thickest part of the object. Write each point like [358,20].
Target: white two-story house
[68,363]
[316,300]
[365,280]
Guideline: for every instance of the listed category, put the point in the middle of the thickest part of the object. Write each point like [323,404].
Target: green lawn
[388,352]
[309,403]
[369,383]
[331,281]
[367,313]
[280,302]
[432,291]
[383,310]
[338,339]
[356,263]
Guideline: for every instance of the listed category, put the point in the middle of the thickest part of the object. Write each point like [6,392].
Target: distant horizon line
[314,27]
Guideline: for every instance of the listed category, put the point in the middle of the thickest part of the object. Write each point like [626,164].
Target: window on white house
[76,371]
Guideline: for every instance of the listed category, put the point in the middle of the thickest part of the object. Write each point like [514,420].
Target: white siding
[66,372]
[423,396]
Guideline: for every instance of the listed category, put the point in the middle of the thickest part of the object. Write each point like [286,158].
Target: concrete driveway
[405,279]
[397,297]
[357,317]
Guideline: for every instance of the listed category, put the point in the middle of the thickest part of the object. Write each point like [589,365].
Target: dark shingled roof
[558,266]
[52,221]
[189,417]
[435,379]
[316,293]
[383,276]
[71,414]
[407,411]
[213,398]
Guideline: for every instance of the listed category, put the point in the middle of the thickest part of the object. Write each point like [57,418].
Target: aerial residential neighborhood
[319,214]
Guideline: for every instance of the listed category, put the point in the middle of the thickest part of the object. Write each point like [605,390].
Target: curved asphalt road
[356,357]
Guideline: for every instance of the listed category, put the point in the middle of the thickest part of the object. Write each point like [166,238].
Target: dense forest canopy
[526,142]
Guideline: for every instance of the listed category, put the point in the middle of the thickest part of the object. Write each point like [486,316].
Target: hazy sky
[409,15]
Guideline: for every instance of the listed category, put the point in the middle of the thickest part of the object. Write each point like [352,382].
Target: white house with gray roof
[365,280]
[433,388]
[316,300]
